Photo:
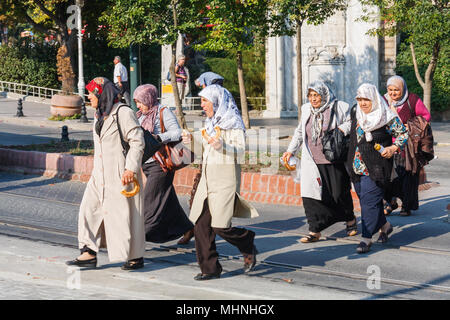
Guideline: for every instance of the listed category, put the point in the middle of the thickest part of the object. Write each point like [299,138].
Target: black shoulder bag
[334,142]
[152,142]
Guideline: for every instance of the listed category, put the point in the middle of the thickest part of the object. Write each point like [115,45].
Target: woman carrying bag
[325,185]
[107,218]
[165,219]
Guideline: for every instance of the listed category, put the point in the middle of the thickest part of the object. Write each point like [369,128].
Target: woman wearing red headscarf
[107,217]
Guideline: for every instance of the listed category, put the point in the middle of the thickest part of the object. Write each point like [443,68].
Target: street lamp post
[81,83]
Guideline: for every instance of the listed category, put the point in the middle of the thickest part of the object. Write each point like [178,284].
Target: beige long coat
[106,216]
[220,181]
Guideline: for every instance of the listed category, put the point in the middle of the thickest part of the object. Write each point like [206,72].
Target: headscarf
[107,95]
[226,114]
[328,99]
[207,78]
[148,95]
[399,83]
[379,116]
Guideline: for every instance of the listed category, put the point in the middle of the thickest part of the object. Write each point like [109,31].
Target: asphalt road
[38,225]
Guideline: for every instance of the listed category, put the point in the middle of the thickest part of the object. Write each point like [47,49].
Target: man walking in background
[121,79]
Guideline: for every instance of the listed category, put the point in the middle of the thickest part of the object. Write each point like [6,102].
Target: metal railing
[194,103]
[29,90]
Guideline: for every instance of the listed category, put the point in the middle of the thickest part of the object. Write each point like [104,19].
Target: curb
[71,124]
[255,187]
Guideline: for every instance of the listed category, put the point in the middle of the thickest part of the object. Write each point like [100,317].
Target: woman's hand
[388,152]
[216,143]
[287,156]
[186,137]
[127,177]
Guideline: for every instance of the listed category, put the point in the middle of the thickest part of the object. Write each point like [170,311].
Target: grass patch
[61,118]
[76,148]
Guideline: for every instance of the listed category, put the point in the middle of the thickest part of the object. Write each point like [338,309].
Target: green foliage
[150,21]
[440,99]
[299,11]
[30,63]
[235,24]
[254,70]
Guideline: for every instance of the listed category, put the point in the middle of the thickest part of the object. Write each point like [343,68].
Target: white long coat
[106,216]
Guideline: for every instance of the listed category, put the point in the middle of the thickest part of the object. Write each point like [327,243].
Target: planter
[65,106]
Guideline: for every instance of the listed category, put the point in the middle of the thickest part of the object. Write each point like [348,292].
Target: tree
[293,13]
[236,25]
[152,21]
[49,17]
[426,24]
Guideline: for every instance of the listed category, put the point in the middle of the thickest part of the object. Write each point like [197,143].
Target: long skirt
[405,186]
[165,219]
[371,200]
[336,204]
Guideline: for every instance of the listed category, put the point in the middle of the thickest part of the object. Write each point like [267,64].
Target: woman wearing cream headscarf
[406,186]
[217,198]
[373,123]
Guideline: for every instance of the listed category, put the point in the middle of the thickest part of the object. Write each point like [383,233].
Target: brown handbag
[173,155]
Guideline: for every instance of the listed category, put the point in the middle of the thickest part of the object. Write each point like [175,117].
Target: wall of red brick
[255,187]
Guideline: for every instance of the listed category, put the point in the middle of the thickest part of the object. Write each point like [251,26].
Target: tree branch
[50,14]
[416,68]
[433,63]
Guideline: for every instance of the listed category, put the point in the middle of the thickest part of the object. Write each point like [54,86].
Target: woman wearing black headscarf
[106,216]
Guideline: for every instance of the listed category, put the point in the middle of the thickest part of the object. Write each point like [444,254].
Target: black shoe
[207,276]
[91,263]
[363,247]
[383,238]
[250,260]
[133,264]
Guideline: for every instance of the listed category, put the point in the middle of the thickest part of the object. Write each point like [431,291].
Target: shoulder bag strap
[411,111]
[161,121]
[332,114]
[125,145]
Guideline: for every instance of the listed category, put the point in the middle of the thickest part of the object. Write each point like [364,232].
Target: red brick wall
[256,187]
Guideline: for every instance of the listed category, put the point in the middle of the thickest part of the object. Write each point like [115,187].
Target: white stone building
[338,52]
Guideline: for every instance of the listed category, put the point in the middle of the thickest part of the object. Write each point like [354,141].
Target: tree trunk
[173,81]
[427,84]
[299,69]
[244,105]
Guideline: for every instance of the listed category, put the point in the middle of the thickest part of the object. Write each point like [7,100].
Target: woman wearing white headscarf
[325,186]
[406,186]
[373,123]
[217,198]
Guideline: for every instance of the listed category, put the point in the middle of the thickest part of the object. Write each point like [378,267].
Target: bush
[440,95]
[254,71]
[30,63]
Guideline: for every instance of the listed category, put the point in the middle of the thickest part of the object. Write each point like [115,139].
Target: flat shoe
[383,238]
[133,264]
[202,277]
[250,260]
[309,238]
[186,237]
[352,230]
[363,247]
[91,263]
